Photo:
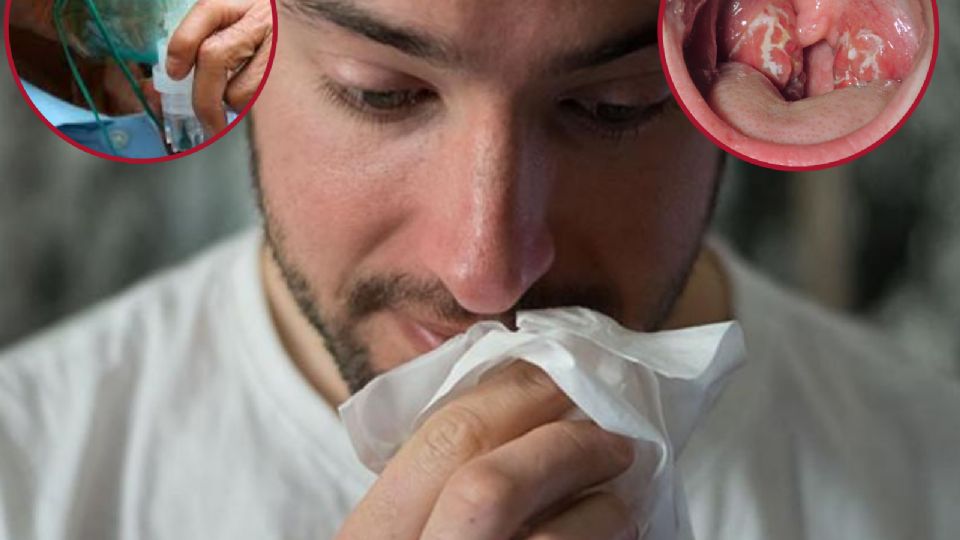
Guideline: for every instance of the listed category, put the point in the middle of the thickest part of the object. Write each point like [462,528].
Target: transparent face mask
[134,26]
[132,31]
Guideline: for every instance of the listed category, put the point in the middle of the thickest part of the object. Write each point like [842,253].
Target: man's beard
[368,295]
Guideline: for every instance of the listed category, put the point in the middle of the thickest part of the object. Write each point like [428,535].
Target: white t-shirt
[172,412]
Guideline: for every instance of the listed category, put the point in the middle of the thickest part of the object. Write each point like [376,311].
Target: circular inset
[798,84]
[140,81]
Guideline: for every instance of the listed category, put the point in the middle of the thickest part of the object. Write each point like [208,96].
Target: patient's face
[427,164]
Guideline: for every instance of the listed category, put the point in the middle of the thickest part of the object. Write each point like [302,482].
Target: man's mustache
[372,294]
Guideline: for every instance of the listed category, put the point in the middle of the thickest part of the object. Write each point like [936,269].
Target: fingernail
[173,68]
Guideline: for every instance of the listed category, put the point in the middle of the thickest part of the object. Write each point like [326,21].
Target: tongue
[810,71]
[747,100]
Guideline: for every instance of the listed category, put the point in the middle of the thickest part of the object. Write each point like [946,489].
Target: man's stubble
[368,295]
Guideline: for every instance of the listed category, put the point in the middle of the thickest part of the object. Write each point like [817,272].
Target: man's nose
[491,240]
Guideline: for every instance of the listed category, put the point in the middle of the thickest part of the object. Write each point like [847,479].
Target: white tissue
[651,387]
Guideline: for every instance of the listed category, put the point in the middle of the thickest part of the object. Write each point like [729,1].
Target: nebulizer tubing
[181,127]
[58,22]
[59,7]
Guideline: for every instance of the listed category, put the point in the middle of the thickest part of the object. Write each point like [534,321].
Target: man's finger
[214,61]
[493,495]
[205,18]
[219,55]
[600,516]
[243,85]
[502,408]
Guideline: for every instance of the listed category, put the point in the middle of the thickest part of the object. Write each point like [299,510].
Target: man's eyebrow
[609,50]
[351,17]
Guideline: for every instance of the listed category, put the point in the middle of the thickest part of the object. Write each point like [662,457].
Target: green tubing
[59,6]
[95,14]
[118,56]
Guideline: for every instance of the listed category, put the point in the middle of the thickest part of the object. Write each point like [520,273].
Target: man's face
[423,165]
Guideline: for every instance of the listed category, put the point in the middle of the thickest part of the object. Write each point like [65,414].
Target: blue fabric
[134,136]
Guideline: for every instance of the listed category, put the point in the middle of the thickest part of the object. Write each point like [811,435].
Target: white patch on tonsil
[902,27]
[872,54]
[844,41]
[769,20]
[852,54]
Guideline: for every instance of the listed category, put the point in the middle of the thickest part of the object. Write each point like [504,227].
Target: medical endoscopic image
[140,80]
[799,84]
[468,271]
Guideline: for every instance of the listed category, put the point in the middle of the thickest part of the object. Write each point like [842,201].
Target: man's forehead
[569,33]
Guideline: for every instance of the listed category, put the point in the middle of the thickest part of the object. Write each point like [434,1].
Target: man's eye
[612,114]
[379,104]
[611,120]
[385,100]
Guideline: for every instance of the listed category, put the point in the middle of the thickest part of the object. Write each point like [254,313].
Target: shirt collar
[59,112]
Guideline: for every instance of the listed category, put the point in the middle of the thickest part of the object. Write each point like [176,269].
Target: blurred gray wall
[75,228]
[879,238]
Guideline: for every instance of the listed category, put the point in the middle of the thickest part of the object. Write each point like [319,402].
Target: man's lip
[426,335]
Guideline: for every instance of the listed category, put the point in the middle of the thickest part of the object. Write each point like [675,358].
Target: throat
[706,298]
[300,340]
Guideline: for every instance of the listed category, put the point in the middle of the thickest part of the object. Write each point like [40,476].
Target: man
[422,167]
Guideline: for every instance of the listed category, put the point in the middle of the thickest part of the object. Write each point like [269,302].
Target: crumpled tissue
[651,387]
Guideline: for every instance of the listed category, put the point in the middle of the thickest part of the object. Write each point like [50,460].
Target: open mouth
[798,83]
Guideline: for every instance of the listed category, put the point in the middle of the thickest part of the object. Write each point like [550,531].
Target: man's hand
[498,463]
[229,42]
